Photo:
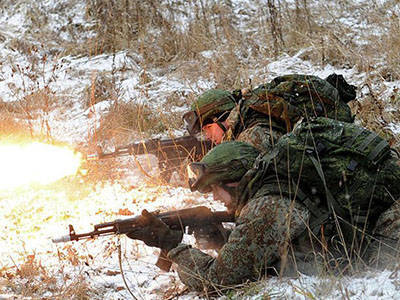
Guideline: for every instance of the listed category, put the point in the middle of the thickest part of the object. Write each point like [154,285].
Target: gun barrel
[165,149]
[62,239]
[177,220]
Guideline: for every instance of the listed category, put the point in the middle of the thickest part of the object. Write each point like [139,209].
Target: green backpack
[338,168]
[290,97]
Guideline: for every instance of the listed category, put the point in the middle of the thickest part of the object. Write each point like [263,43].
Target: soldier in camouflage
[262,115]
[275,226]
[264,225]
[208,114]
[271,110]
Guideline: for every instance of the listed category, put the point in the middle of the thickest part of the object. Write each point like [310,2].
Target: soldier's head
[222,167]
[209,112]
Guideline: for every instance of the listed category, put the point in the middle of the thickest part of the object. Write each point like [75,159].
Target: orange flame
[35,163]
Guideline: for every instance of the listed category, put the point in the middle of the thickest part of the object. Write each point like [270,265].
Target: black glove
[212,236]
[155,233]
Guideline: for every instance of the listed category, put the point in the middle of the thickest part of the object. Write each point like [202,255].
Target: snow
[31,216]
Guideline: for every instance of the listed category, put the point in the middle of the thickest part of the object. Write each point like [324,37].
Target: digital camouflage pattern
[212,103]
[260,238]
[276,106]
[226,163]
[309,95]
[264,226]
[349,166]
[248,125]
[358,171]
[260,136]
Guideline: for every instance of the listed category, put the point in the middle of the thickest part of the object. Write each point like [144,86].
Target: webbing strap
[334,208]
[354,187]
[332,205]
[355,136]
[377,150]
[315,224]
[367,141]
[320,215]
[304,199]
[222,126]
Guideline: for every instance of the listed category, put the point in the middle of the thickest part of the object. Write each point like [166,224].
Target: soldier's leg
[385,248]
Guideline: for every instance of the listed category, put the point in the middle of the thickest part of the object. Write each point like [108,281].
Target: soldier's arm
[265,225]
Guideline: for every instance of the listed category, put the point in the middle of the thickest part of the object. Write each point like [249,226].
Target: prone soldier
[319,193]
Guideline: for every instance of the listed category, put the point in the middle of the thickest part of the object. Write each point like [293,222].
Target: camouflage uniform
[269,220]
[265,225]
[385,247]
[264,228]
[246,125]
[290,97]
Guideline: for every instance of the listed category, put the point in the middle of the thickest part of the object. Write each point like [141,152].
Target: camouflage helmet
[226,163]
[211,104]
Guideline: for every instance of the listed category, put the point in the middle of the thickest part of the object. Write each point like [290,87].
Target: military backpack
[338,169]
[290,97]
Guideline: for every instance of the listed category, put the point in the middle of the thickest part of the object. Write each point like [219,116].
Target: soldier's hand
[212,236]
[155,233]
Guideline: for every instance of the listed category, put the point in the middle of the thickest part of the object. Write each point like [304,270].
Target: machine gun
[177,220]
[171,153]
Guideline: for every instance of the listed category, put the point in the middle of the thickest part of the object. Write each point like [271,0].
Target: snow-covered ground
[30,217]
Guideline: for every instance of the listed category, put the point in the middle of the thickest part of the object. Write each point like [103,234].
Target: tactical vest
[288,98]
[338,169]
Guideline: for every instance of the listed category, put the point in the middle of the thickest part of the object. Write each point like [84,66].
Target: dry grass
[10,128]
[17,117]
[239,35]
[124,120]
[240,40]
[102,88]
[30,279]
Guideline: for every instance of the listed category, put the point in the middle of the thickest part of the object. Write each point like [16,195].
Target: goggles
[191,122]
[195,172]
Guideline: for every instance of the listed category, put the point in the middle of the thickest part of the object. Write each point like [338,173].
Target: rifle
[176,220]
[171,153]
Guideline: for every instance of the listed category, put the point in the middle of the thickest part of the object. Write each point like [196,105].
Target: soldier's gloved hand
[155,233]
[212,236]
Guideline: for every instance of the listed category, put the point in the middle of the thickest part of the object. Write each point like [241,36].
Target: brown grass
[31,279]
[150,28]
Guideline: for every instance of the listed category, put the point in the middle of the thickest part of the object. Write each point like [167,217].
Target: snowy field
[31,215]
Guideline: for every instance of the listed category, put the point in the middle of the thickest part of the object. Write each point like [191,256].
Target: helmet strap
[222,126]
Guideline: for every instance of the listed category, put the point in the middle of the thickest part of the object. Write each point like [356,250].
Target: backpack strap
[252,180]
[332,204]
[377,150]
[367,141]
[306,201]
[319,216]
[355,136]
